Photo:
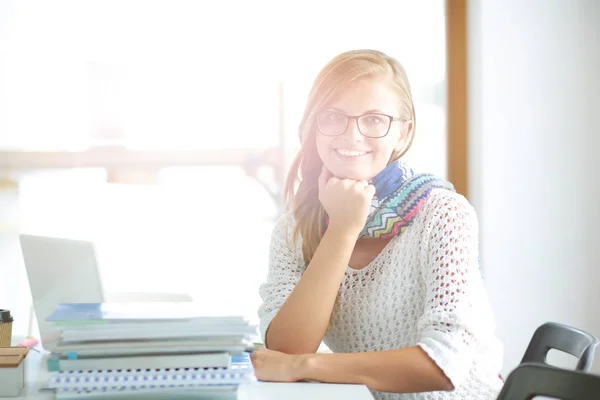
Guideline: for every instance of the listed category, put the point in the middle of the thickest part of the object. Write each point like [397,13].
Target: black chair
[534,379]
[565,338]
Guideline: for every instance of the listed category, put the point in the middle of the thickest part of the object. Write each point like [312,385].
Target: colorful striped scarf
[399,194]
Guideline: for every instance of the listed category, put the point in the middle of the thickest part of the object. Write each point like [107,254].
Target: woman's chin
[353,176]
[350,172]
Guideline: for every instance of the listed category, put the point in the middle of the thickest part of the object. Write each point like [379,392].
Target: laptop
[59,270]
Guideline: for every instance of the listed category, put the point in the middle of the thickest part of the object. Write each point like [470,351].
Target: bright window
[181,75]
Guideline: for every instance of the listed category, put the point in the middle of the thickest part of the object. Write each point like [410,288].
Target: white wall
[535,162]
[5,14]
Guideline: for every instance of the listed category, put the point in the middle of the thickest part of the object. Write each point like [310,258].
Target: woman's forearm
[407,370]
[300,324]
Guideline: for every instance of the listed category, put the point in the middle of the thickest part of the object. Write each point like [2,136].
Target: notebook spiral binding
[118,380]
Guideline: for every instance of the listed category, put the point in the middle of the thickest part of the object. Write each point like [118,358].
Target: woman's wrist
[344,231]
[302,366]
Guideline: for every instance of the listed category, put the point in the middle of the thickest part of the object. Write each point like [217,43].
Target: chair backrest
[565,338]
[534,379]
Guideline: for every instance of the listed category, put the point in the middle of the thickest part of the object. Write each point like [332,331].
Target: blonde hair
[347,67]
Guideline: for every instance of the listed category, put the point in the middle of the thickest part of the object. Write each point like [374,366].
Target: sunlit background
[162,130]
[226,81]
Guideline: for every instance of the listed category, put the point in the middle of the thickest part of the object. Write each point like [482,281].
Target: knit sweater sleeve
[448,328]
[286,266]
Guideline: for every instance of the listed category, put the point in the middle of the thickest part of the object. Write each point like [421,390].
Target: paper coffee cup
[6,321]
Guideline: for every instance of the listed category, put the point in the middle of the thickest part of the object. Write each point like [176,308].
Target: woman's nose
[352,132]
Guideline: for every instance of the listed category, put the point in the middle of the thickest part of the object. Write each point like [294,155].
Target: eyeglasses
[373,125]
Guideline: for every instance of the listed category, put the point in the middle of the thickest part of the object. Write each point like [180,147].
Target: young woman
[378,262]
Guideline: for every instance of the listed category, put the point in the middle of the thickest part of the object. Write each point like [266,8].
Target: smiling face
[351,155]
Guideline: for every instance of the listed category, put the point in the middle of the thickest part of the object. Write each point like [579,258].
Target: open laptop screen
[59,271]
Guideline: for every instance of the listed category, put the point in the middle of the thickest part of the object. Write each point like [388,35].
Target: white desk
[36,376]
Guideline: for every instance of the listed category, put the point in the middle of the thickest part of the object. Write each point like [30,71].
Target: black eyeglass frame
[355,118]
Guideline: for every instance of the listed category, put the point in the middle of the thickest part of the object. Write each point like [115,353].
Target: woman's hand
[274,366]
[346,201]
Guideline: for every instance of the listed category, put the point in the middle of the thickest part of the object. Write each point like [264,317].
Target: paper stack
[135,347]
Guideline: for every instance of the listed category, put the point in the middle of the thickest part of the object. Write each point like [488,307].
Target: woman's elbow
[445,384]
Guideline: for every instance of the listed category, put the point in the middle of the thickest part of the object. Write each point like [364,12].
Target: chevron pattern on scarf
[393,215]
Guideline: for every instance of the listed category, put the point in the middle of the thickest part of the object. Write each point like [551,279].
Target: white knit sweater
[425,288]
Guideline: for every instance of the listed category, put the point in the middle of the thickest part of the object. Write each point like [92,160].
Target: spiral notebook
[151,383]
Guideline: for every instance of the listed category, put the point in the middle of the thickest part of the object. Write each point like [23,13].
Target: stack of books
[145,336]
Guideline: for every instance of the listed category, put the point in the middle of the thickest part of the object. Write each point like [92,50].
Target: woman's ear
[405,134]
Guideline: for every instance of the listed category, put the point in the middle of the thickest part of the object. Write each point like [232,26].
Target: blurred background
[162,131]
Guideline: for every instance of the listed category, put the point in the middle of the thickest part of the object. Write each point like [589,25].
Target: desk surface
[36,376]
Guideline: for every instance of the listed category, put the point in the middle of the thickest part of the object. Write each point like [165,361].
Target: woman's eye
[373,120]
